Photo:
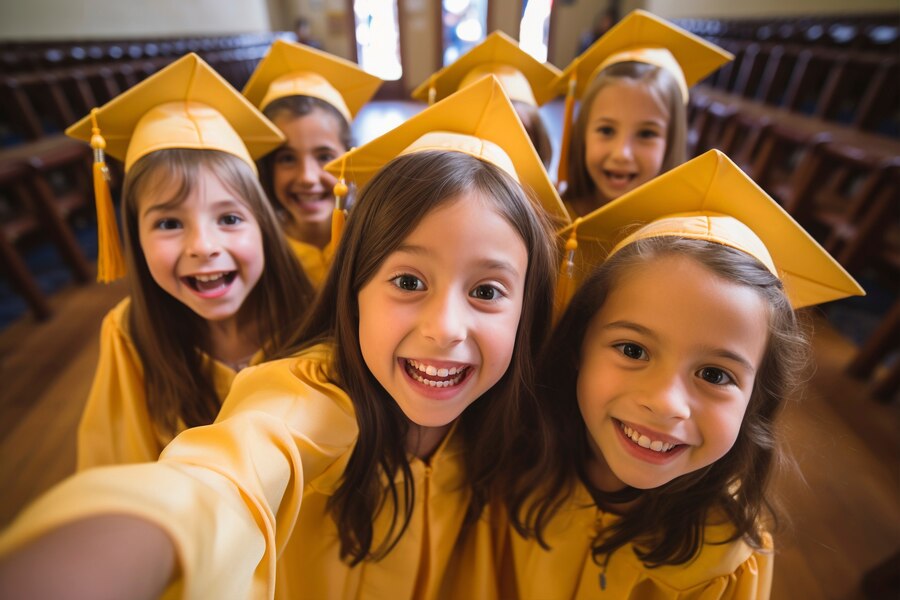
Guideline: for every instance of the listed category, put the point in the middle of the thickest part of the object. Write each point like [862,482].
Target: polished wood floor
[846,514]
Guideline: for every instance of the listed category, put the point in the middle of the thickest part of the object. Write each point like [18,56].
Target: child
[632,121]
[311,96]
[213,283]
[411,370]
[663,380]
[526,81]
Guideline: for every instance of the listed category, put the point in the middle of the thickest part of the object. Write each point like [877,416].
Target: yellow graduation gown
[115,426]
[229,495]
[721,571]
[315,261]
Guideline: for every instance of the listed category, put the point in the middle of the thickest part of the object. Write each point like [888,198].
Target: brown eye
[714,376]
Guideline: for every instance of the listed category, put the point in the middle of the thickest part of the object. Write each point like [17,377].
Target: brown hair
[536,130]
[388,210]
[666,524]
[166,333]
[296,107]
[663,86]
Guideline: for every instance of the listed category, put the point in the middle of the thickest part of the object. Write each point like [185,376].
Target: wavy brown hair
[169,337]
[664,88]
[666,524]
[388,210]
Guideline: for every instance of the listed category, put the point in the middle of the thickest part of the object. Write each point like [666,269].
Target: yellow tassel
[562,176]
[565,285]
[110,262]
[339,215]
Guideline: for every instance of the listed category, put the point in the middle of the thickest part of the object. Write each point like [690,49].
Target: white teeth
[431,370]
[645,442]
[208,278]
[435,371]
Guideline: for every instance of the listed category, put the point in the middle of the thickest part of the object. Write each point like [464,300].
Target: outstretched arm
[110,556]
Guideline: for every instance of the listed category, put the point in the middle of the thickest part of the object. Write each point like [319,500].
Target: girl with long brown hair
[662,384]
[213,285]
[632,118]
[361,464]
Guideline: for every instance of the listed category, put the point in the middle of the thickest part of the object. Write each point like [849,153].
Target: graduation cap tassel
[562,176]
[565,285]
[339,216]
[110,262]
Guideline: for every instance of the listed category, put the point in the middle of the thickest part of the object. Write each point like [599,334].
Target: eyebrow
[720,352]
[486,263]
[169,205]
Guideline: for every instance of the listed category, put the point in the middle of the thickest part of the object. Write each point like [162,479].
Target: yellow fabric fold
[115,426]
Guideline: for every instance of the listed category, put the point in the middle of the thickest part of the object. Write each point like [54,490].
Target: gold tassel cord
[339,215]
[565,285]
[110,262]
[562,175]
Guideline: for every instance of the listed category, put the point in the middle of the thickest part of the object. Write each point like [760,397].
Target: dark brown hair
[296,107]
[663,86]
[388,210]
[666,524]
[169,336]
[536,130]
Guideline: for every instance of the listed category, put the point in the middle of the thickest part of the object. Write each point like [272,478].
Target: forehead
[174,187]
[628,99]
[687,303]
[468,225]
[314,129]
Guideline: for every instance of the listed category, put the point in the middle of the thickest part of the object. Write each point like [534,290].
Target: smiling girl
[662,382]
[632,120]
[212,281]
[312,97]
[363,462]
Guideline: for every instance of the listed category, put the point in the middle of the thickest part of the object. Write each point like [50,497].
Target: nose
[202,242]
[667,396]
[309,172]
[444,320]
[622,149]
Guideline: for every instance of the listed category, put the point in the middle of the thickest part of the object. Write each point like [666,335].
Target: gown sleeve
[227,494]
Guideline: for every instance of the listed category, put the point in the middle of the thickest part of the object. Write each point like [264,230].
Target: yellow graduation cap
[710,198]
[523,77]
[478,120]
[185,105]
[639,37]
[291,69]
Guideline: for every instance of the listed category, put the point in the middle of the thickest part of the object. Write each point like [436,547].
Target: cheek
[160,258]
[722,426]
[654,157]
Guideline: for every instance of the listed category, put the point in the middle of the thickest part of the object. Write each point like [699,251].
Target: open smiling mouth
[436,377]
[620,178]
[645,442]
[210,282]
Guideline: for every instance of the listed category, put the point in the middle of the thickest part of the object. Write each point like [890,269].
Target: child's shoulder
[300,390]
[724,564]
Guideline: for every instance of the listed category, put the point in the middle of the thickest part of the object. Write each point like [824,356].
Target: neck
[423,441]
[231,343]
[314,234]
